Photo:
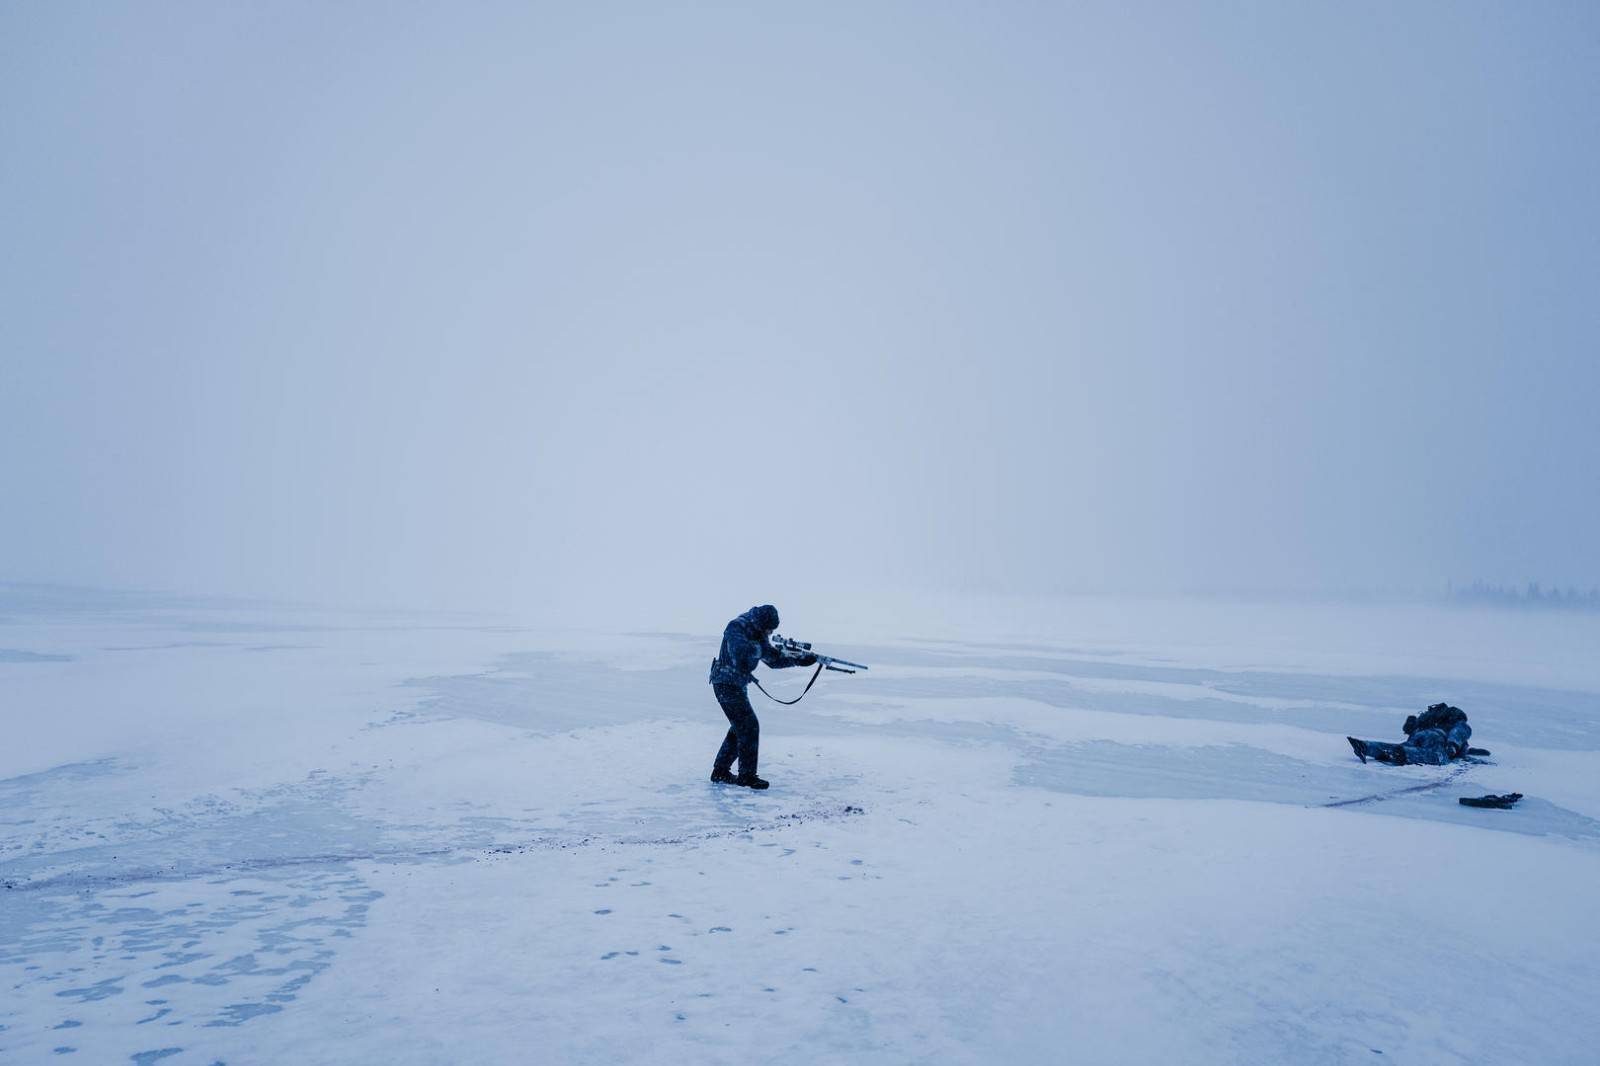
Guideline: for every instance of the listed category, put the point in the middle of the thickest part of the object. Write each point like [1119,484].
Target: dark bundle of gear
[1435,737]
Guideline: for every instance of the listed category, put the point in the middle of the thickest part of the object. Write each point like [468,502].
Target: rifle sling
[797,699]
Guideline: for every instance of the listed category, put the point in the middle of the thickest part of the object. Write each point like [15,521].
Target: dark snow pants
[1428,747]
[744,731]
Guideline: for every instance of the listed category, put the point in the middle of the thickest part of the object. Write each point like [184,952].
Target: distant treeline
[1532,594]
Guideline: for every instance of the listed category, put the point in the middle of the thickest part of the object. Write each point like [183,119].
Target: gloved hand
[808,660]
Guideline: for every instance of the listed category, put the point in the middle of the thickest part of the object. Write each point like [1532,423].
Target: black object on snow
[1501,803]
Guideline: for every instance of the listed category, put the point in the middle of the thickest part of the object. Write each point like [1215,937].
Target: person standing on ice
[744,644]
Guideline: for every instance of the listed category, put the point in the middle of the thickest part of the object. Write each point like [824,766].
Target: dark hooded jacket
[744,643]
[1440,729]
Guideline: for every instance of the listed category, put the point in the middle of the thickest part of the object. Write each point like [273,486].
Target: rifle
[799,649]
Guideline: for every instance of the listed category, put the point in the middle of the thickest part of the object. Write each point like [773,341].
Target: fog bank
[524,305]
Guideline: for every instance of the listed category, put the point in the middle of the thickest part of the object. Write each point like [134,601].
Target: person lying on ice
[1435,737]
[744,643]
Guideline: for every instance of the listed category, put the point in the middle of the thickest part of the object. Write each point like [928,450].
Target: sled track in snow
[242,867]
[1379,797]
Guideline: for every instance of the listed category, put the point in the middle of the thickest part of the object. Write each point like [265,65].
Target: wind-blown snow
[249,835]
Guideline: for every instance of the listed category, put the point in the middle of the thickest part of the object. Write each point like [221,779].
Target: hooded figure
[744,644]
[1433,738]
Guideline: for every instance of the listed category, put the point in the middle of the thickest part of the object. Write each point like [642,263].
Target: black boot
[1359,747]
[723,777]
[750,781]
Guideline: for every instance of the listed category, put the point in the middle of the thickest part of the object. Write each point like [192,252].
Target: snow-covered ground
[1086,831]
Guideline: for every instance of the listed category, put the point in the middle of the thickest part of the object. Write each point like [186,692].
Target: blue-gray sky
[494,303]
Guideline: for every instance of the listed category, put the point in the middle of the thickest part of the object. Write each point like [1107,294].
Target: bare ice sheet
[230,835]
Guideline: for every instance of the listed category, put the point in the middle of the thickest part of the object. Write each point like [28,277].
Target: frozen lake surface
[1089,832]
